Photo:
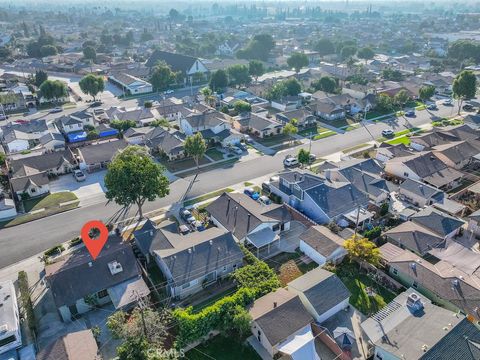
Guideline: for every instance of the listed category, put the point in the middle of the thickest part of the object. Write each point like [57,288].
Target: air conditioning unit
[115,267]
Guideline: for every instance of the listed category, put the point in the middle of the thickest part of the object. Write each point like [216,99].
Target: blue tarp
[77,137]
[109,132]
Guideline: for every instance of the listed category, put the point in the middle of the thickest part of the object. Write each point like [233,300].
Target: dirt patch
[288,272]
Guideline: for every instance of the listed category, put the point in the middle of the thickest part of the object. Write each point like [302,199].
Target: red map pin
[94,246]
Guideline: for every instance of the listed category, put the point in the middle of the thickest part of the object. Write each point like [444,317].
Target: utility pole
[356,223]
[141,306]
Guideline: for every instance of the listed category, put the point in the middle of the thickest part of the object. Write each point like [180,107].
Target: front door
[73,310]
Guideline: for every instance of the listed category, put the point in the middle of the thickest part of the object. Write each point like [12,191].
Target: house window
[102,294]
[415,285]
[33,191]
[405,174]
[224,268]
[276,227]
[395,271]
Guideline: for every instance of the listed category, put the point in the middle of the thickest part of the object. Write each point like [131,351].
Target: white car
[236,150]
[447,102]
[264,200]
[169,91]
[290,161]
[56,110]
[79,175]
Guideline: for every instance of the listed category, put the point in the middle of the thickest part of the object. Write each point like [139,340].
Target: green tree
[90,53]
[297,61]
[292,87]
[92,135]
[426,92]
[237,321]
[133,178]
[3,159]
[218,81]
[53,90]
[40,77]
[384,103]
[5,53]
[290,130]
[146,36]
[162,76]
[401,98]
[324,46]
[258,48]
[123,125]
[207,93]
[239,75]
[392,75]
[92,85]
[325,83]
[256,69]
[195,147]
[241,106]
[362,249]
[48,50]
[464,87]
[303,157]
[365,53]
[348,51]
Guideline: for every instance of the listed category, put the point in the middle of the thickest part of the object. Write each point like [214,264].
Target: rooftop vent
[274,304]
[115,267]
[90,264]
[455,283]
[151,232]
[3,329]
[414,303]
[413,266]
[211,242]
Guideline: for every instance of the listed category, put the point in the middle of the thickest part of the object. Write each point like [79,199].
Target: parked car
[241,146]
[198,225]
[447,102]
[312,158]
[290,161]
[96,103]
[187,216]
[56,110]
[236,150]
[252,193]
[388,133]
[248,139]
[432,106]
[3,117]
[79,175]
[266,187]
[264,200]
[410,113]
[184,229]
[169,91]
[467,107]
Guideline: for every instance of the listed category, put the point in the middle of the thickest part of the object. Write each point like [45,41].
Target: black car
[467,107]
[96,104]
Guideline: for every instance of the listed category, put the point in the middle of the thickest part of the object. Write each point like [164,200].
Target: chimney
[248,222]
[274,304]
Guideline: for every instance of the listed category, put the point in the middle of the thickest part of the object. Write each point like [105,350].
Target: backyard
[222,348]
[358,283]
[289,266]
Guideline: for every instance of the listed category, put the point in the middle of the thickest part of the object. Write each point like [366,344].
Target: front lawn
[49,201]
[357,282]
[215,154]
[324,135]
[400,140]
[273,140]
[183,164]
[222,348]
[206,196]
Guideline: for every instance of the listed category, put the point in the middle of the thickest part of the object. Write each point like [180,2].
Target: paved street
[22,241]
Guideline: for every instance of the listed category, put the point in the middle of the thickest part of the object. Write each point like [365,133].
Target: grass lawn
[359,146]
[215,154]
[49,201]
[324,135]
[313,130]
[400,140]
[273,140]
[206,196]
[183,164]
[340,123]
[446,122]
[222,348]
[356,282]
[22,219]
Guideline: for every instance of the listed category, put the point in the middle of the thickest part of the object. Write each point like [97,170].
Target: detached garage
[321,245]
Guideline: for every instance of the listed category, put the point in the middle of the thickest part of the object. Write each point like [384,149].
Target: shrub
[373,233]
[25,300]
[384,209]
[54,250]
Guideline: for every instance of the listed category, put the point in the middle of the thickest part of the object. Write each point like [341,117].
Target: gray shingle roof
[102,152]
[420,189]
[77,275]
[79,345]
[322,240]
[44,162]
[437,221]
[164,140]
[177,62]
[284,320]
[415,237]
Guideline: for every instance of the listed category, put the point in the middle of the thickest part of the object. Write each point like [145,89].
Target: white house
[322,293]
[130,84]
[322,245]
[10,335]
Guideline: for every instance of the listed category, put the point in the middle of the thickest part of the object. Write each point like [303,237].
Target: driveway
[92,188]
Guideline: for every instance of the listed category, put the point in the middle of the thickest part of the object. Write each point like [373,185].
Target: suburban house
[472,121]
[140,115]
[321,199]
[385,152]
[189,262]
[20,136]
[458,154]
[78,345]
[287,103]
[322,245]
[426,167]
[321,292]
[131,85]
[258,125]
[408,327]
[172,110]
[53,141]
[304,117]
[7,208]
[442,137]
[10,336]
[30,175]
[79,283]
[420,194]
[189,66]
[327,110]
[165,143]
[227,48]
[136,135]
[453,285]
[75,122]
[97,156]
[251,223]
[281,325]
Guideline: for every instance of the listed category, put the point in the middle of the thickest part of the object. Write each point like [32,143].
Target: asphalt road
[20,242]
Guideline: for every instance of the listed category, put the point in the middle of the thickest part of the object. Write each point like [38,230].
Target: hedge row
[255,280]
[26,301]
